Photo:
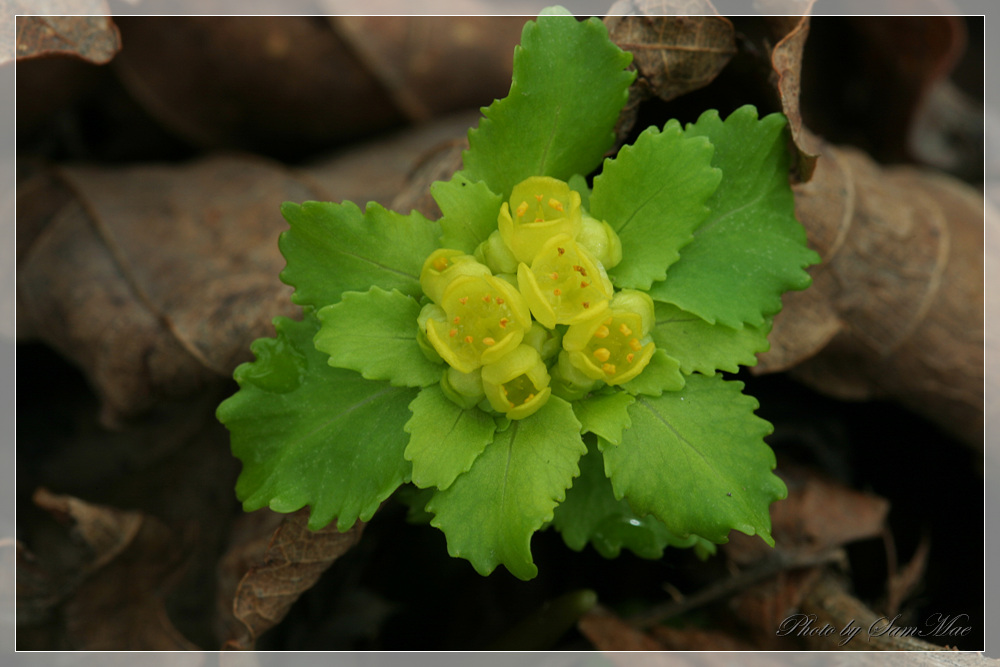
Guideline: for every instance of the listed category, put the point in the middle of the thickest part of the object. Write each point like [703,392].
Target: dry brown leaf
[414,58]
[818,515]
[94,39]
[294,560]
[674,50]
[786,61]
[698,639]
[896,307]
[328,82]
[100,613]
[155,279]
[607,632]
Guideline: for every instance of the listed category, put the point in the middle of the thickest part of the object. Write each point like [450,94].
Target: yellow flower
[612,344]
[484,319]
[564,284]
[540,207]
[518,383]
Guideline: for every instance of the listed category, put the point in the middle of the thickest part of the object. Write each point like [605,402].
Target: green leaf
[701,347]
[469,210]
[568,87]
[444,438]
[375,333]
[653,195]
[662,374]
[330,439]
[605,415]
[591,513]
[490,513]
[751,249]
[335,248]
[697,460]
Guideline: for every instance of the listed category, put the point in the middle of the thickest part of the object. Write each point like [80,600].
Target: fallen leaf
[607,632]
[895,309]
[99,612]
[94,39]
[155,279]
[786,61]
[294,560]
[328,82]
[674,50]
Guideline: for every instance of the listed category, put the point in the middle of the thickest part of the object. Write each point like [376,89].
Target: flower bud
[602,241]
[564,284]
[569,382]
[465,389]
[495,254]
[485,318]
[443,266]
[518,383]
[540,207]
[548,342]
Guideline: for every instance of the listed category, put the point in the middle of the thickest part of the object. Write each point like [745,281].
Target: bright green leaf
[697,460]
[704,348]
[375,333]
[662,374]
[331,439]
[591,513]
[605,415]
[751,249]
[490,513]
[444,438]
[653,195]
[469,211]
[568,87]
[335,248]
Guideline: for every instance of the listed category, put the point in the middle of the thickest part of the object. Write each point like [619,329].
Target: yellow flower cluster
[532,312]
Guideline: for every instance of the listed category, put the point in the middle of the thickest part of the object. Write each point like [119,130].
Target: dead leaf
[414,58]
[294,560]
[99,612]
[155,279]
[94,39]
[698,639]
[818,515]
[896,305]
[329,82]
[786,61]
[607,632]
[675,51]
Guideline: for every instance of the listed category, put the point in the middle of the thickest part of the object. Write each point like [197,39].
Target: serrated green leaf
[444,438]
[331,439]
[704,348]
[469,211]
[335,248]
[662,374]
[653,195]
[591,514]
[569,85]
[375,333]
[605,415]
[490,513]
[751,249]
[697,460]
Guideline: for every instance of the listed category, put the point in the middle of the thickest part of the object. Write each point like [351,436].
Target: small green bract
[545,353]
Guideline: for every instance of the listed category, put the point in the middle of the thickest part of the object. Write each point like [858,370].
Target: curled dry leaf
[895,310]
[675,51]
[99,612]
[94,39]
[295,558]
[328,82]
[818,516]
[677,46]
[155,279]
[786,61]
